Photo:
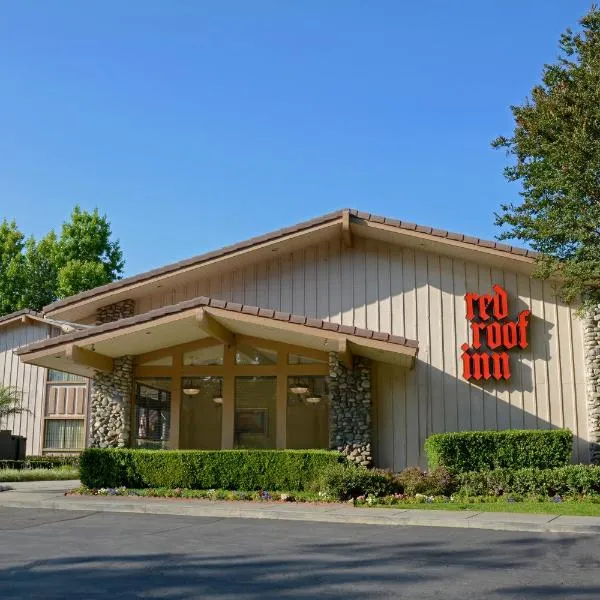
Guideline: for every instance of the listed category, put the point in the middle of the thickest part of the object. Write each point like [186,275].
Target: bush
[344,481]
[438,482]
[573,479]
[512,449]
[281,470]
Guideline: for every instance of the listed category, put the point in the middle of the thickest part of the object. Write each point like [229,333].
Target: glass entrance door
[255,406]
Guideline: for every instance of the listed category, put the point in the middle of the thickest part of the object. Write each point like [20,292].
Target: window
[64,434]
[307,423]
[251,355]
[255,406]
[54,375]
[201,411]
[152,413]
[204,356]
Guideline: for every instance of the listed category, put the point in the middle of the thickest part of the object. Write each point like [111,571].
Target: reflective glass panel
[212,355]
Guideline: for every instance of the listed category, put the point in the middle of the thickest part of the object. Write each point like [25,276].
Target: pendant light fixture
[218,397]
[313,399]
[299,387]
[189,389]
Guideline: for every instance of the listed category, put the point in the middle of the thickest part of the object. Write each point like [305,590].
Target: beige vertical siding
[420,295]
[66,400]
[27,378]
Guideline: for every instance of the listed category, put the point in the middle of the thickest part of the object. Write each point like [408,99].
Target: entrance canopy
[95,348]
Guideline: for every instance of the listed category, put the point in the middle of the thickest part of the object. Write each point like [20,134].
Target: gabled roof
[346,218]
[26,314]
[181,324]
[5,319]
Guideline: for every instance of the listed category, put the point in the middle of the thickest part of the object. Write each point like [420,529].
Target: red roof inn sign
[493,335]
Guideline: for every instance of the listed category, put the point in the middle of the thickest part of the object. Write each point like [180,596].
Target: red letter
[501,365]
[481,366]
[476,329]
[493,335]
[466,358]
[470,298]
[500,303]
[509,335]
[484,302]
[522,327]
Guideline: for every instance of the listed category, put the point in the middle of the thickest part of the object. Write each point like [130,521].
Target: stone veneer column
[110,398]
[591,339]
[350,409]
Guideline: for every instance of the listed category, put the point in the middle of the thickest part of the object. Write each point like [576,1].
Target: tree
[42,262]
[35,273]
[11,266]
[10,402]
[556,150]
[88,256]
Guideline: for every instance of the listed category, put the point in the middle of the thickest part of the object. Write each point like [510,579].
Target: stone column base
[350,409]
[359,454]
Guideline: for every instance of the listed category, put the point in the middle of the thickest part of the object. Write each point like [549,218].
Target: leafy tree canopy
[34,273]
[556,150]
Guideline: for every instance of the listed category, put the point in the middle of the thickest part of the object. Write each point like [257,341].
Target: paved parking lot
[68,554]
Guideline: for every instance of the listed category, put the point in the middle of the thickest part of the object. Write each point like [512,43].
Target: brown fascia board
[355,215]
[234,307]
[195,260]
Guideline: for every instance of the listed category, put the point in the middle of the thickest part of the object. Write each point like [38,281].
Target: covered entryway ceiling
[93,349]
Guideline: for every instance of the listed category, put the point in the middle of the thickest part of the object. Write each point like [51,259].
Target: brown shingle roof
[19,314]
[224,305]
[442,233]
[355,215]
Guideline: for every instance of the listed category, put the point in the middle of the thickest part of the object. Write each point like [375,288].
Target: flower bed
[582,504]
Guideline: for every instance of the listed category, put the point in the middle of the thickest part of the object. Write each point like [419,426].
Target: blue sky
[198,124]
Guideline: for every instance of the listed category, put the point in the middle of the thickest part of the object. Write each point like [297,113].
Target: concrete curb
[539,523]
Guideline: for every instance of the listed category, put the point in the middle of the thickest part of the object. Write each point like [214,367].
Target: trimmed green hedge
[574,479]
[275,470]
[513,449]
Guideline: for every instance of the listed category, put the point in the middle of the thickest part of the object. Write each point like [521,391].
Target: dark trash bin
[12,447]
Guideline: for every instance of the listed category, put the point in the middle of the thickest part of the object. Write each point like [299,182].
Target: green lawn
[8,475]
[589,509]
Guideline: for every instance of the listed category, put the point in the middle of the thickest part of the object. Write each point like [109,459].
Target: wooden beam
[345,355]
[346,233]
[88,358]
[213,328]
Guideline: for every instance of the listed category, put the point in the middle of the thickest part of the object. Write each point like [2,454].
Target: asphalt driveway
[70,554]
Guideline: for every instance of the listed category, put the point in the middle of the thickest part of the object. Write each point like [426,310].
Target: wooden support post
[213,328]
[175,400]
[345,355]
[228,406]
[88,358]
[281,401]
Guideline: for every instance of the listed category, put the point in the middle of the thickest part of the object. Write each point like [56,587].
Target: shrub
[513,449]
[438,482]
[344,481]
[573,479]
[282,470]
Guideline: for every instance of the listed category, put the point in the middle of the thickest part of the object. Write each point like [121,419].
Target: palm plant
[11,399]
